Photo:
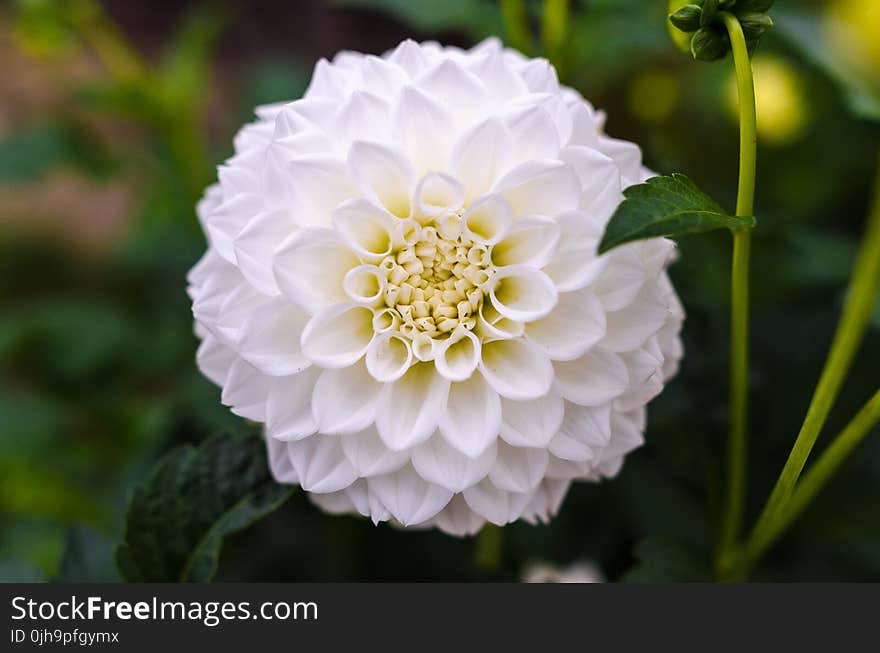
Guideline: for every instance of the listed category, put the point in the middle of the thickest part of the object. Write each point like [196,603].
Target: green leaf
[177,520]
[666,206]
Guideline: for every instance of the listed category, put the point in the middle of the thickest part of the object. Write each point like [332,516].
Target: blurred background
[112,117]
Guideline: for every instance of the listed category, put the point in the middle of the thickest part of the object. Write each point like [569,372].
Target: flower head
[402,285]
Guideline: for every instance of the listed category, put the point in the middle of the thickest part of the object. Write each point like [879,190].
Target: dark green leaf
[177,520]
[666,206]
[88,558]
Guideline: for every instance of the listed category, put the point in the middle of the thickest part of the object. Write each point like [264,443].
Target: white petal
[645,368]
[338,336]
[575,324]
[365,285]
[320,464]
[436,194]
[533,133]
[389,357]
[310,267]
[458,519]
[225,221]
[492,325]
[456,88]
[546,501]
[345,400]
[575,264]
[627,155]
[408,497]
[621,280]
[531,423]
[369,455]
[516,369]
[422,126]
[472,417]
[245,391]
[318,185]
[593,379]
[496,506]
[480,156]
[487,219]
[279,462]
[584,430]
[522,293]
[270,338]
[456,357]
[596,171]
[632,325]
[411,407]
[362,117]
[518,469]
[531,241]
[214,359]
[409,56]
[382,77]
[540,188]
[499,77]
[255,247]
[366,228]
[384,175]
[438,462]
[289,406]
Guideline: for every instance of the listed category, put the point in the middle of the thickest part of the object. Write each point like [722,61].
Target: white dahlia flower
[402,285]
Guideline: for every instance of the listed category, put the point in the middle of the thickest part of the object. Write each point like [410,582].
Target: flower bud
[754,25]
[687,19]
[709,44]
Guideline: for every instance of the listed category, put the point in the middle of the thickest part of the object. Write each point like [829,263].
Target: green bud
[687,19]
[710,8]
[754,25]
[709,44]
[748,6]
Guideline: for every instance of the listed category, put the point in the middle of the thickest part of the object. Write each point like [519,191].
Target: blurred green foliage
[97,373]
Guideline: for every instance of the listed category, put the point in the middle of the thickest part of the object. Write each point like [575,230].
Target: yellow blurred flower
[780,98]
[852,28]
[654,95]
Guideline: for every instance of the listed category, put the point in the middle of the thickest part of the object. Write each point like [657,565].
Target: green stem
[516,25]
[739,304]
[487,552]
[862,291]
[813,481]
[553,29]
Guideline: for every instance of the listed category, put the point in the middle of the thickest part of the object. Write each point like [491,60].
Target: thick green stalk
[861,294]
[553,29]
[739,302]
[813,481]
